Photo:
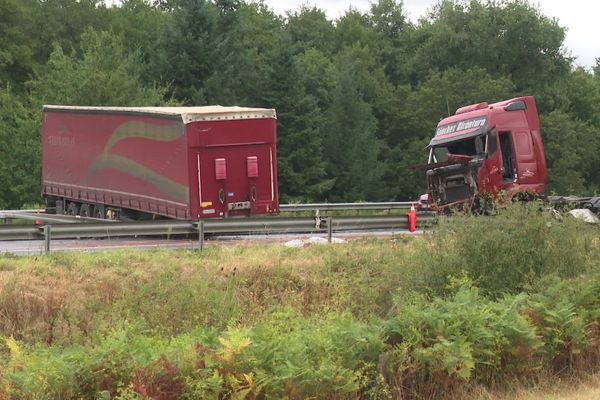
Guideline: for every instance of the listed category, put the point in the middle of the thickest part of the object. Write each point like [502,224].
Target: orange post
[412,219]
[37,221]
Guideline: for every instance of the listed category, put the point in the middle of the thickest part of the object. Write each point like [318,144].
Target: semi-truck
[185,163]
[484,149]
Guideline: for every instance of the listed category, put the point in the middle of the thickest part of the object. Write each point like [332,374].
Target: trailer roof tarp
[187,114]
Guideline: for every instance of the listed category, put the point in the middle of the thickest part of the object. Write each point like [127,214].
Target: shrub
[440,344]
[507,252]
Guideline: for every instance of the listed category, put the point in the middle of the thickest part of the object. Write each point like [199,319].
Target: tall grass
[479,301]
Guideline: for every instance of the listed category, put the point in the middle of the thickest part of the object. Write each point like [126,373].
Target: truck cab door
[518,161]
[526,165]
[492,171]
[508,169]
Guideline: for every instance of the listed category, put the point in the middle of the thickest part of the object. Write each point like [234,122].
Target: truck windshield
[467,147]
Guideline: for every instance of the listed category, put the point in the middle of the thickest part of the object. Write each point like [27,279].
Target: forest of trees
[357,98]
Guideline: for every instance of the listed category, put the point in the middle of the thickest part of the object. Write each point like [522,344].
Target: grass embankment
[578,387]
[480,303]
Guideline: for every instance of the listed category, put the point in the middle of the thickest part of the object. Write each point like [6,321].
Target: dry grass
[563,388]
[63,298]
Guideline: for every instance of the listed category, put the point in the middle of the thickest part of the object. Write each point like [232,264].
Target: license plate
[241,205]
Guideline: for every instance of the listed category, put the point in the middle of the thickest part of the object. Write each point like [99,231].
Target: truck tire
[98,211]
[73,209]
[84,211]
[60,207]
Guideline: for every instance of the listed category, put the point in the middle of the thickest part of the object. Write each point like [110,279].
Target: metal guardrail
[169,228]
[5,212]
[69,227]
[39,215]
[346,206]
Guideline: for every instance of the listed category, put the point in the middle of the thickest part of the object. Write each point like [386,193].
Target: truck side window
[507,156]
[492,146]
[479,145]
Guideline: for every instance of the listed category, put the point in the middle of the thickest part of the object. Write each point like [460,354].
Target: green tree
[440,94]
[351,146]
[63,22]
[318,74]
[578,94]
[300,126]
[508,38]
[243,64]
[393,30]
[571,152]
[19,152]
[106,74]
[310,29]
[16,52]
[185,51]
[354,29]
[140,23]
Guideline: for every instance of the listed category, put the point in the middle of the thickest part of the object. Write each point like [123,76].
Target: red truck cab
[486,149]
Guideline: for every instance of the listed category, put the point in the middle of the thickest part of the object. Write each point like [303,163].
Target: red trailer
[177,162]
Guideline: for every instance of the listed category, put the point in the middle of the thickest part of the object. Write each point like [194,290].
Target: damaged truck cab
[484,149]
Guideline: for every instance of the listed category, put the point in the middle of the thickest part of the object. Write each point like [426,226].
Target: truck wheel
[112,214]
[98,212]
[72,209]
[84,211]
[60,207]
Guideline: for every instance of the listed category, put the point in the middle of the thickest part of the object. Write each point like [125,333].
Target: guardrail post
[47,237]
[329,229]
[201,235]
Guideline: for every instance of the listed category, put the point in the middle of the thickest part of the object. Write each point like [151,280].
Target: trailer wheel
[84,211]
[98,212]
[60,207]
[72,209]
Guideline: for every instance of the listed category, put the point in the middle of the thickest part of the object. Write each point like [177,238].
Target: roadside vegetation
[482,303]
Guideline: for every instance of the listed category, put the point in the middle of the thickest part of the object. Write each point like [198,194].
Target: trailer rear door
[235,179]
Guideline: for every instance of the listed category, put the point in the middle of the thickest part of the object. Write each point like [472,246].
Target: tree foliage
[19,152]
[104,75]
[357,97]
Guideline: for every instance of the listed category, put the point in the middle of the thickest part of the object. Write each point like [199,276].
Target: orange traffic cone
[412,219]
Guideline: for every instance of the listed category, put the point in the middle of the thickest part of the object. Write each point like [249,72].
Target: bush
[439,344]
[508,252]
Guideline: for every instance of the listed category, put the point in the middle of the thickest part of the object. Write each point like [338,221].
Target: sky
[580,17]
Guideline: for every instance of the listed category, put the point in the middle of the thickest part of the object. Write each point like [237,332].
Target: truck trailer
[484,149]
[184,163]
